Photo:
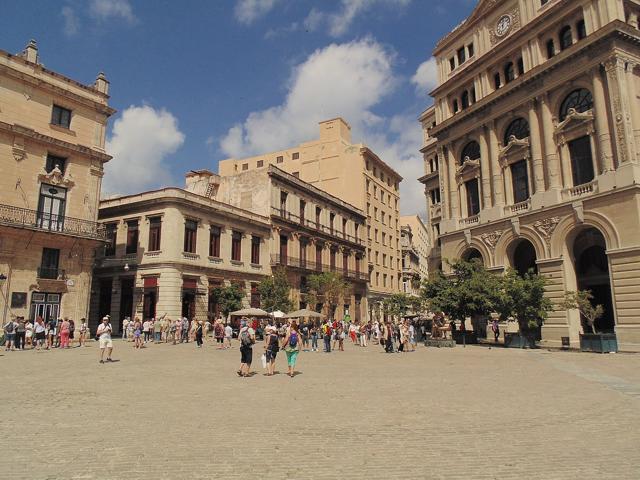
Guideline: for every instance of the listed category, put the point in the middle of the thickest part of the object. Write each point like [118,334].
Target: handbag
[264,360]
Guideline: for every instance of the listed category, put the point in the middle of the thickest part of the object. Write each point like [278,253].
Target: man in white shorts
[104,336]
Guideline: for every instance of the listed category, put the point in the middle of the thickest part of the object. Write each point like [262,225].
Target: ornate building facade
[415,244]
[532,151]
[52,137]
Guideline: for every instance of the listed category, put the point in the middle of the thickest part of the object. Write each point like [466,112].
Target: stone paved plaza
[176,412]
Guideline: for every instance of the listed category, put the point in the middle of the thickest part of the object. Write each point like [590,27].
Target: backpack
[293,340]
[245,338]
[8,328]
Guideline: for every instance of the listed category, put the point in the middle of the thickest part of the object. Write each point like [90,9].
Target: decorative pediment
[516,150]
[575,119]
[56,177]
[468,170]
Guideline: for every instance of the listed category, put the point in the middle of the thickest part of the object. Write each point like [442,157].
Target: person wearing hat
[104,336]
[247,337]
[271,347]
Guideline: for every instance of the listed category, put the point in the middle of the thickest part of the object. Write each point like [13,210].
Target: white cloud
[248,11]
[71,21]
[426,76]
[346,80]
[141,140]
[339,22]
[106,9]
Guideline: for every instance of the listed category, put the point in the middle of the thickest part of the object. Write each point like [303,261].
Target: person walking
[495,328]
[247,336]
[10,335]
[340,335]
[326,336]
[313,331]
[39,330]
[271,348]
[137,333]
[72,331]
[199,332]
[104,337]
[52,324]
[228,335]
[292,346]
[64,333]
[82,335]
[21,333]
[29,334]
[125,328]
[305,337]
[146,328]
[185,330]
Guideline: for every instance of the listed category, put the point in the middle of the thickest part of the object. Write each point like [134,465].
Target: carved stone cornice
[468,170]
[574,120]
[55,177]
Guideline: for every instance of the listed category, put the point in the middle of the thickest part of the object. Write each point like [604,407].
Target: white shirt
[104,331]
[228,331]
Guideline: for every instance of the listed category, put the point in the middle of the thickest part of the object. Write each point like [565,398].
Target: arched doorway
[472,254]
[592,273]
[523,257]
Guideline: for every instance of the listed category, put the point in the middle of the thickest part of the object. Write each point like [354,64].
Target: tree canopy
[229,298]
[328,288]
[275,292]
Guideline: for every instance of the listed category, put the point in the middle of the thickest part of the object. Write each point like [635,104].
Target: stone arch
[558,96]
[567,227]
[462,145]
[522,256]
[475,244]
[509,237]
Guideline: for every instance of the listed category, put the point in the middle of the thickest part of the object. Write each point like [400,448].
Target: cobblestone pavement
[174,412]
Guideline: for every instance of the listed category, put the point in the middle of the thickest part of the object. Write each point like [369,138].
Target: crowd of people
[21,334]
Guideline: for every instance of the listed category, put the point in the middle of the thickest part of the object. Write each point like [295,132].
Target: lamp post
[3,277]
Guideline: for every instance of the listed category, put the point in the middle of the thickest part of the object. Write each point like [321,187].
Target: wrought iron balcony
[312,225]
[51,273]
[314,267]
[32,219]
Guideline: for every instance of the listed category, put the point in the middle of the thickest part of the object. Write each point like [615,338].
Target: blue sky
[198,81]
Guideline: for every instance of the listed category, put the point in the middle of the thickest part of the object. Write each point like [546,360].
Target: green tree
[397,305]
[228,298]
[523,297]
[469,290]
[275,292]
[582,300]
[327,287]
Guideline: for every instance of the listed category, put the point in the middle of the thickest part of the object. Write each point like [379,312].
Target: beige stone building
[168,250]
[420,241]
[356,175]
[311,232]
[52,135]
[537,122]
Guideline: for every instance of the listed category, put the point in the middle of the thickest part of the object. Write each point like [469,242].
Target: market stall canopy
[304,313]
[277,314]
[250,312]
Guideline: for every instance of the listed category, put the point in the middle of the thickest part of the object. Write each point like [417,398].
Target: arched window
[518,128]
[580,100]
[471,150]
[509,72]
[464,100]
[566,39]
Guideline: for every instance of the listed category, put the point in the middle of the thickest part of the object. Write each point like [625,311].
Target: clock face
[503,25]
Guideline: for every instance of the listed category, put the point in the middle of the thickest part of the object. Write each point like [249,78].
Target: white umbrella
[250,312]
[277,314]
[304,313]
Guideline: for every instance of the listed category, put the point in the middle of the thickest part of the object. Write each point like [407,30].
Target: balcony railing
[25,218]
[310,266]
[50,273]
[305,222]
[470,220]
[518,207]
[580,190]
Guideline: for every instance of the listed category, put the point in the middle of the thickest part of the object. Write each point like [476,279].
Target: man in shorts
[104,337]
[10,335]
[247,337]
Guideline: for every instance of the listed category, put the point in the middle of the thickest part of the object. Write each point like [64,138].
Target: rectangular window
[111,230]
[332,259]
[245,166]
[318,257]
[520,180]
[260,163]
[452,64]
[190,236]
[303,207]
[461,56]
[49,263]
[295,156]
[303,252]
[470,50]
[214,241]
[551,49]
[332,217]
[132,237]
[344,227]
[236,246]
[496,81]
[155,230]
[255,250]
[55,161]
[61,116]
[279,159]
[581,160]
[520,66]
[283,203]
[51,207]
[345,263]
[284,253]
[473,198]
[318,214]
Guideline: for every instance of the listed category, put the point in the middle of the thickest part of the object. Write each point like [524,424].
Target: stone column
[444,183]
[635,111]
[484,168]
[550,148]
[453,185]
[536,148]
[496,170]
[620,106]
[602,124]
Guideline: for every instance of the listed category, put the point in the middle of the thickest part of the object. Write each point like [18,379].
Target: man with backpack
[247,337]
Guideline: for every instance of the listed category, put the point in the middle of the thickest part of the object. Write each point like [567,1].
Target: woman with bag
[292,347]
[271,348]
